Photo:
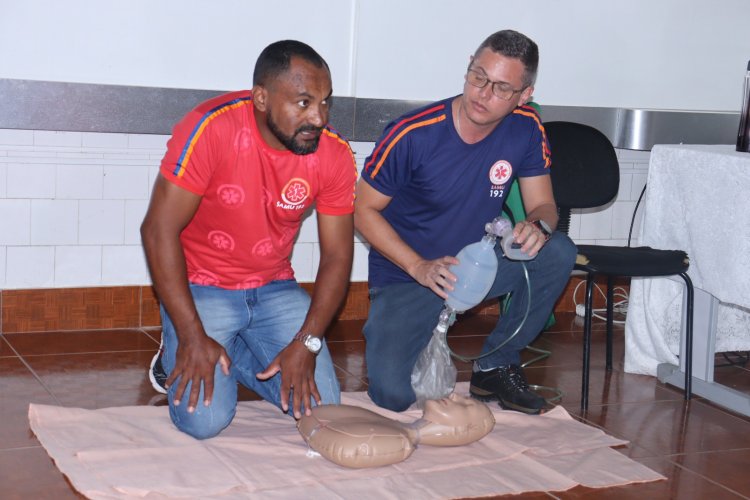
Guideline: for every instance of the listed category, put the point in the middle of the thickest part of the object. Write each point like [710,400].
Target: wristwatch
[543,227]
[313,343]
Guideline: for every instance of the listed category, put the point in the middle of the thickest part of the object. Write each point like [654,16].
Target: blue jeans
[403,315]
[253,326]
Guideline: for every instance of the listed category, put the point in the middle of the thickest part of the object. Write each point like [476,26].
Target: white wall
[71,204]
[659,54]
[196,44]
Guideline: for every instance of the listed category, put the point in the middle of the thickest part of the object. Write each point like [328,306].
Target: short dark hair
[518,46]
[275,59]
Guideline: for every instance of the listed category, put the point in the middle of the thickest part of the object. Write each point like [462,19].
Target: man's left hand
[529,237]
[297,366]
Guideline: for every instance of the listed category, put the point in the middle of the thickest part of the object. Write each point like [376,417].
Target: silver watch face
[313,343]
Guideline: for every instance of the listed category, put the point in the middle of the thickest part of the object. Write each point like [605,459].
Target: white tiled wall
[71,204]
[611,226]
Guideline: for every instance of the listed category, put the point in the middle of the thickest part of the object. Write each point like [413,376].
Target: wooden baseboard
[96,308]
[104,308]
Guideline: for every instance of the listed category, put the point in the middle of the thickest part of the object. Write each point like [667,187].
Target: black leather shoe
[508,385]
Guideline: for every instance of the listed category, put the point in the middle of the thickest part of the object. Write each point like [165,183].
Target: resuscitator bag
[434,374]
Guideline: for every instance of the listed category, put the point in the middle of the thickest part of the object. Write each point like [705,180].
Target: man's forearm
[336,236]
[169,276]
[381,236]
[170,210]
[331,286]
[546,212]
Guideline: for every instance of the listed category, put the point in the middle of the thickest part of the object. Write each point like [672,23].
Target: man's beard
[290,142]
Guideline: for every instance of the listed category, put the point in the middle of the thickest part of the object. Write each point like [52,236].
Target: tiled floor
[704,451]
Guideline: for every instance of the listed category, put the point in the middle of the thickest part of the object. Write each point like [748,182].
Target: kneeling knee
[203,423]
[564,248]
[202,432]
[392,400]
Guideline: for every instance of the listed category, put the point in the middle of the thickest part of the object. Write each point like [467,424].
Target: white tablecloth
[697,200]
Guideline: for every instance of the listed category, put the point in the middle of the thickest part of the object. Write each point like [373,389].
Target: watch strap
[541,227]
[305,337]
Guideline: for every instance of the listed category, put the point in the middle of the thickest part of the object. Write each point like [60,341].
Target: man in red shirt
[239,174]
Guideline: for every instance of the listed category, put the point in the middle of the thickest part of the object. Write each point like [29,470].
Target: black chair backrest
[585,172]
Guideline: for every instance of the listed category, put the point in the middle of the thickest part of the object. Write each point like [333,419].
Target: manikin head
[454,410]
[454,421]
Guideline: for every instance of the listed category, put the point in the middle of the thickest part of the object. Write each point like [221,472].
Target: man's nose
[486,91]
[318,116]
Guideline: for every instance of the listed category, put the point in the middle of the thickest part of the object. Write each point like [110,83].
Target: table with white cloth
[697,200]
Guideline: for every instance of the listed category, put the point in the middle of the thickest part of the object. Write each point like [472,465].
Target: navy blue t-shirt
[443,190]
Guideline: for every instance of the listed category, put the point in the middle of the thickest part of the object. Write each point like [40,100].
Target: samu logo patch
[500,173]
[294,194]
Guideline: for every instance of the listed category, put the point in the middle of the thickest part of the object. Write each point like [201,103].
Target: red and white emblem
[500,173]
[296,191]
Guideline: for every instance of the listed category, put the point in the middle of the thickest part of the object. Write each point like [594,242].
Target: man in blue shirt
[435,177]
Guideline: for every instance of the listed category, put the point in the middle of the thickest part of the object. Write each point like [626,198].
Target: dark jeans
[403,315]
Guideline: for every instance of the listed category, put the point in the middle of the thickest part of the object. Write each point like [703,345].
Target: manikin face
[481,105]
[454,410]
[294,107]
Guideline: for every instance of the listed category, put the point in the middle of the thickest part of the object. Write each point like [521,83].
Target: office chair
[585,174]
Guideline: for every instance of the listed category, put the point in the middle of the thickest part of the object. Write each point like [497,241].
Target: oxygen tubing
[557,393]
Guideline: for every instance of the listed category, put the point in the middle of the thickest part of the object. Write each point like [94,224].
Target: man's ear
[526,95]
[260,95]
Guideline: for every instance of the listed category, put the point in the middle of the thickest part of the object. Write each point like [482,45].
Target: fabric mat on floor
[136,452]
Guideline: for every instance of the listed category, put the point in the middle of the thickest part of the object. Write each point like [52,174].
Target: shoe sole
[487,396]
[151,378]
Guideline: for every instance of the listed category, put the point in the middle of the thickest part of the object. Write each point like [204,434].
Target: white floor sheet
[136,452]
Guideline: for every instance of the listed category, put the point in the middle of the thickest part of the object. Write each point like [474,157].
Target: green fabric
[514,205]
[536,107]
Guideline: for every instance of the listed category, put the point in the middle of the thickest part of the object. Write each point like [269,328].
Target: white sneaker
[156,373]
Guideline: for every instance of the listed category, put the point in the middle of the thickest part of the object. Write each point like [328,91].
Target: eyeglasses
[503,90]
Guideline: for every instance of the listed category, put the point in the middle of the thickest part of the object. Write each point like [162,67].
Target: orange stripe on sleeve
[398,138]
[183,162]
[343,141]
[398,125]
[545,148]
